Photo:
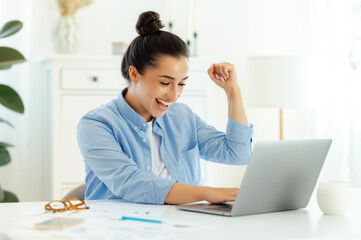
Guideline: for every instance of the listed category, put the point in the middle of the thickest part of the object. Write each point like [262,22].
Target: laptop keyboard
[218,207]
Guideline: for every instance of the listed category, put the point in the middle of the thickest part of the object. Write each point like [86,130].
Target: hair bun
[148,23]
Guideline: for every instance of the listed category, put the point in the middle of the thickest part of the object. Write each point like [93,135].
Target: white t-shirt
[158,167]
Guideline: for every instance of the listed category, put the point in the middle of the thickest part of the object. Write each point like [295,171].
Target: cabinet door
[71,163]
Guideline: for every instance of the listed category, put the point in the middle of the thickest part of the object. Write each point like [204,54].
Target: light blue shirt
[118,160]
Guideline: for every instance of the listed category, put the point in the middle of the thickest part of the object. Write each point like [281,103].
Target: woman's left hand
[224,75]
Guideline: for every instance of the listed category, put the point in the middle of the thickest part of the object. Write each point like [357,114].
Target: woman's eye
[164,83]
[182,84]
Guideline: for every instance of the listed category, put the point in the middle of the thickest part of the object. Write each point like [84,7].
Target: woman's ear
[133,74]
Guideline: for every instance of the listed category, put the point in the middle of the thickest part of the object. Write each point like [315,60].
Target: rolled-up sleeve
[232,147]
[115,169]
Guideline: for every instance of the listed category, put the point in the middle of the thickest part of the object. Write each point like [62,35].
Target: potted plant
[9,98]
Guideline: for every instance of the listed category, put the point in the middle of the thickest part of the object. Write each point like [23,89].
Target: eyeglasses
[71,204]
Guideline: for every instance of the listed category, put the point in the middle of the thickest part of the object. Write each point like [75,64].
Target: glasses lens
[77,204]
[57,205]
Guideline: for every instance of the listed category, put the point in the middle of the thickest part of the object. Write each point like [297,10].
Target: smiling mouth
[162,105]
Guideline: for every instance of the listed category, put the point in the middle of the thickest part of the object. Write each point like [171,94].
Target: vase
[64,35]
[333,197]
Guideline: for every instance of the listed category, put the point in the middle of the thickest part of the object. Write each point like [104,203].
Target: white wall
[228,31]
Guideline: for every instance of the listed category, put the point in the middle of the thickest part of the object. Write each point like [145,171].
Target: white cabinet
[70,164]
[74,86]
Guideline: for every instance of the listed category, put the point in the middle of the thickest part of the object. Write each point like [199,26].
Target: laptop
[281,176]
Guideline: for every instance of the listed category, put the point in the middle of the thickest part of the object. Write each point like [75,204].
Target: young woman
[145,147]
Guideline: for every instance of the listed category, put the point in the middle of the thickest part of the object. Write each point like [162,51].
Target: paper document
[119,220]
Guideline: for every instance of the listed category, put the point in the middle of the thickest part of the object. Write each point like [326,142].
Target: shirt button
[135,128]
[148,167]
[144,140]
[144,125]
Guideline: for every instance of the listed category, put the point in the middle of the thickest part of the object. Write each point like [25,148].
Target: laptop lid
[281,175]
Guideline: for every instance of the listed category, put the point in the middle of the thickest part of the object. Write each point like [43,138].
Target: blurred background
[298,64]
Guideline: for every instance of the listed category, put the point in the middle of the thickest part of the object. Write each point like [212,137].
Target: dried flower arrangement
[69,7]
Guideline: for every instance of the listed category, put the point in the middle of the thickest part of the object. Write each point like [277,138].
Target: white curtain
[337,85]
[355,126]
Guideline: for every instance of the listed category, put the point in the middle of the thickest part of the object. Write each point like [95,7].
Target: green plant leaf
[11,99]
[10,28]
[4,156]
[6,122]
[4,144]
[10,197]
[2,195]
[9,57]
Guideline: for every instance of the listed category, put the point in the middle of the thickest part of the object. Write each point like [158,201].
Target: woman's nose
[174,95]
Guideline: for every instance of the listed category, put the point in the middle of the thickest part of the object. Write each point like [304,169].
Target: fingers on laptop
[219,195]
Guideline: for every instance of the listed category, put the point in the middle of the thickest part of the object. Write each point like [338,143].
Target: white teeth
[165,103]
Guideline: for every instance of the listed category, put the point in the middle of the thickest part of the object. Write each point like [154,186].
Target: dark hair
[144,51]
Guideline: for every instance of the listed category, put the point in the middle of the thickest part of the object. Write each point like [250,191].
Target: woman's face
[153,92]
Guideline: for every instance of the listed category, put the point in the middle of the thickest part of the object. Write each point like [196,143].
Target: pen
[141,219]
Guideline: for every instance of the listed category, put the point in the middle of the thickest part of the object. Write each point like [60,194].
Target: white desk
[308,223]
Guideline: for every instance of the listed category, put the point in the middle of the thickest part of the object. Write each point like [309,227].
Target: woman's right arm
[186,193]
[113,171]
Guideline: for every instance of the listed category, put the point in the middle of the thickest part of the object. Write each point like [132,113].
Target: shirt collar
[134,119]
